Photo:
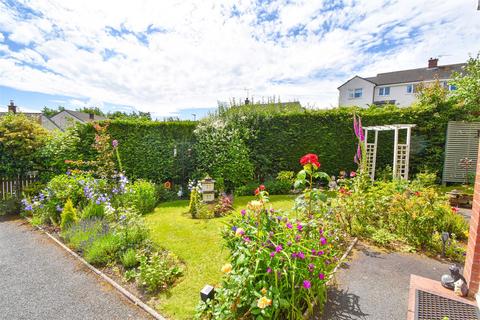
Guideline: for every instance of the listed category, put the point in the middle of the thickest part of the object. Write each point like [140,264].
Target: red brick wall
[472,262]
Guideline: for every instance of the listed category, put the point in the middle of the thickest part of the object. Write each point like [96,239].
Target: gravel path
[374,284]
[38,280]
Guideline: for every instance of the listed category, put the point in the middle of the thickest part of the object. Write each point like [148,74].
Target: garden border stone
[113,283]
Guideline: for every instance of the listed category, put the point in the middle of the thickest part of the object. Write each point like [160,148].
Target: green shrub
[157,271]
[278,187]
[383,237]
[142,195]
[425,179]
[103,250]
[129,259]
[69,215]
[93,210]
[83,233]
[163,194]
[247,189]
[9,206]
[286,176]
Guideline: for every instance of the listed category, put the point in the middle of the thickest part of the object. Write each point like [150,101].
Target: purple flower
[246,239]
[301,255]
[234,228]
[279,218]
[243,212]
[323,241]
[321,276]
[269,270]
[271,234]
[272,254]
[311,266]
[115,143]
[306,284]
[278,248]
[289,243]
[28,207]
[320,252]
[59,208]
[123,217]
[272,210]
[299,227]
[314,251]
[294,255]
[298,237]
[289,225]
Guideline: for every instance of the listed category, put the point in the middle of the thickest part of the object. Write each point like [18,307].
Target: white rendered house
[398,87]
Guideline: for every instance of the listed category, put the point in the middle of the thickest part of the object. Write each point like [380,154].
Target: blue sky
[178,58]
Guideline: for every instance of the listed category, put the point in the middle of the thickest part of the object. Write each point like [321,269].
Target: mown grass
[199,244]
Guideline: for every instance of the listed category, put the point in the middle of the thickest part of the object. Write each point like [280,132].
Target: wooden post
[395,153]
[407,155]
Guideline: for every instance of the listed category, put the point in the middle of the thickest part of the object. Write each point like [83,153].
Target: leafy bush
[82,234]
[286,176]
[383,237]
[129,259]
[195,202]
[103,250]
[165,194]
[157,271]
[69,215]
[93,210]
[142,195]
[9,206]
[223,206]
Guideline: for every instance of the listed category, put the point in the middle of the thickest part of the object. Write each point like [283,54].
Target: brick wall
[472,262]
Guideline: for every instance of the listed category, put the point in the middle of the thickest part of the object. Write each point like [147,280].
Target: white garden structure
[401,151]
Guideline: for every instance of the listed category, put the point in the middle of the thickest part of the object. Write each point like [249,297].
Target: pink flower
[455,209]
[311,266]
[301,255]
[307,284]
[243,212]
[323,241]
[269,270]
[278,248]
[320,252]
[289,225]
[353,174]
[272,254]
[321,276]
[299,227]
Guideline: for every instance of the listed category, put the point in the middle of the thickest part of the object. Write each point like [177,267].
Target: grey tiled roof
[85,117]
[415,75]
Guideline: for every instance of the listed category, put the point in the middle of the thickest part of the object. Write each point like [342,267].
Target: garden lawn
[199,244]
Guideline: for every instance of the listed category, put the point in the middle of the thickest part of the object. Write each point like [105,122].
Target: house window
[410,88]
[452,87]
[385,91]
[358,93]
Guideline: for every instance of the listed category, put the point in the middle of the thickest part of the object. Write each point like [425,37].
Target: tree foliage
[21,139]
[468,85]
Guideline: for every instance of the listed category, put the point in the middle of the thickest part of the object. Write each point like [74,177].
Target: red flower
[454,209]
[310,158]
[257,191]
[417,193]
[262,187]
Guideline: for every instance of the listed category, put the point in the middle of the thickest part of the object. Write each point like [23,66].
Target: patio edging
[112,282]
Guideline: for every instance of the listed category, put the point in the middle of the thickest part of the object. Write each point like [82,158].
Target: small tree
[468,85]
[69,215]
[21,139]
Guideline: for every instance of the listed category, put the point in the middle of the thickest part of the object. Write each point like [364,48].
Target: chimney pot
[247,101]
[12,107]
[432,63]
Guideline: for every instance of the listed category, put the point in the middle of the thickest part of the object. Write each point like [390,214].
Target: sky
[179,58]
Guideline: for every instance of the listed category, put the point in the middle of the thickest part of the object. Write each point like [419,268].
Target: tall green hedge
[147,148]
[277,140]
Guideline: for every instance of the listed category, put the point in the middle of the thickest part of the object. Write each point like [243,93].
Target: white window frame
[381,91]
[411,85]
[355,93]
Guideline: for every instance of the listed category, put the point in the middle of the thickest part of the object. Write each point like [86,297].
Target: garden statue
[332,185]
[455,281]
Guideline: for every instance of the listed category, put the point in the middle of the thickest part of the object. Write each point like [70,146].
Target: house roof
[84,117]
[417,75]
[366,79]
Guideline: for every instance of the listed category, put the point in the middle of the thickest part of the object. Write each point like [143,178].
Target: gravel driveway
[38,280]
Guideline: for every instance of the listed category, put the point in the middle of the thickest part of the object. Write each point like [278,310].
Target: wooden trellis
[401,151]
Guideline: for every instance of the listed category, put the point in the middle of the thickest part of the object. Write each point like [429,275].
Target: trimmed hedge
[276,141]
[147,148]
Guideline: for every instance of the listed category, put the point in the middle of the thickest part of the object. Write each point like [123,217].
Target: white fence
[12,187]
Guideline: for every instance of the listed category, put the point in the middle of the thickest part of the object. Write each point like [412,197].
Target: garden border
[112,282]
[306,315]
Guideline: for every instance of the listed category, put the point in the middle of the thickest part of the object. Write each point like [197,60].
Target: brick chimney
[12,107]
[432,63]
[91,116]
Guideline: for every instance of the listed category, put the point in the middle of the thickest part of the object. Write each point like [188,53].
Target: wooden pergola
[401,151]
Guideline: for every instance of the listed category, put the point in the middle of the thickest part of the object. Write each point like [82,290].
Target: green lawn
[199,244]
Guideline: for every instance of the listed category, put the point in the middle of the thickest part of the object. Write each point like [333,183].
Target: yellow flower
[227,268]
[264,302]
[263,291]
[255,205]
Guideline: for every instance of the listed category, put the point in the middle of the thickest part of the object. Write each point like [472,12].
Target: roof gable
[355,77]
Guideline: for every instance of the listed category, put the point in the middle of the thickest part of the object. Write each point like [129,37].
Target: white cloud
[204,53]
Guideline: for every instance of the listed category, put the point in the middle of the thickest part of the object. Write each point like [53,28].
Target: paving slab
[39,280]
[374,284]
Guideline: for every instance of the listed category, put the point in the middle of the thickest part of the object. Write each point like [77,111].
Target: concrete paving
[374,284]
[39,280]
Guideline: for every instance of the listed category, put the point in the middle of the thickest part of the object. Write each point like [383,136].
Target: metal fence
[13,186]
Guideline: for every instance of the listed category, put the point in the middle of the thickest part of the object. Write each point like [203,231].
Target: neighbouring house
[66,118]
[398,87]
[60,121]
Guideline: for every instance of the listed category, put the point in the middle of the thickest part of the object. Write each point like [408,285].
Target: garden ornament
[455,281]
